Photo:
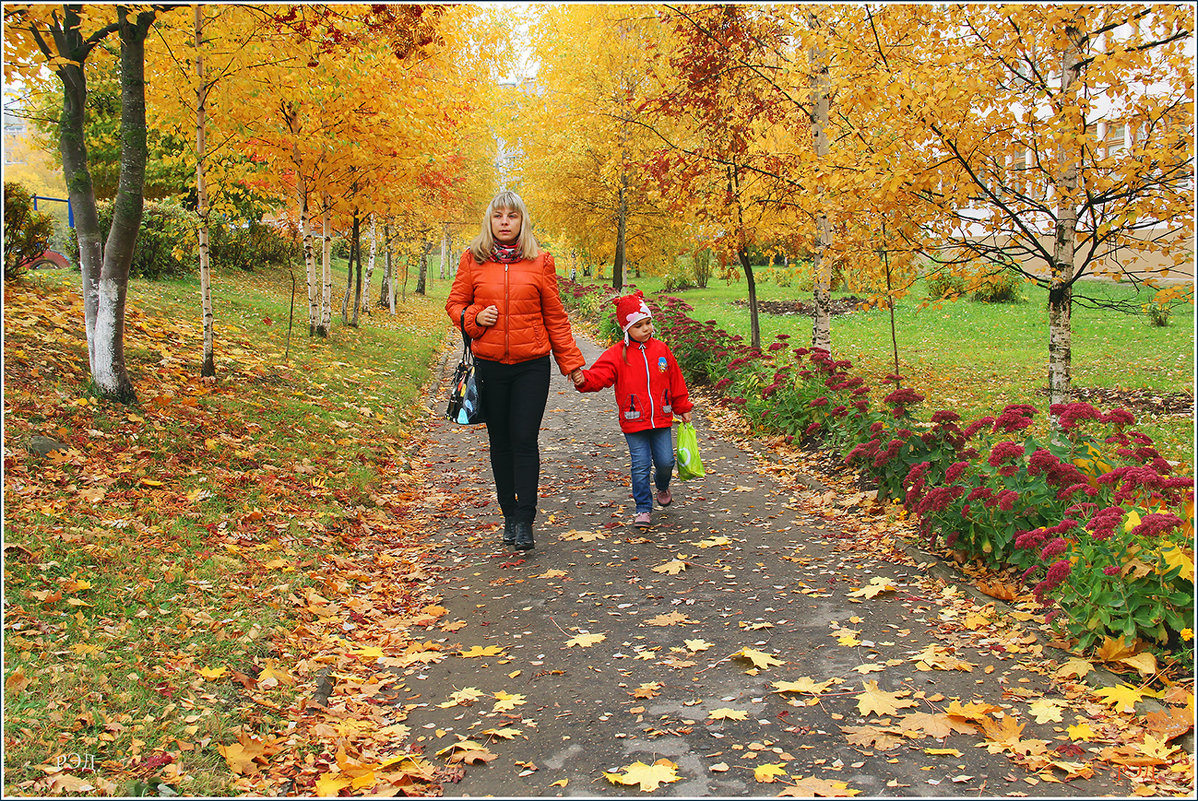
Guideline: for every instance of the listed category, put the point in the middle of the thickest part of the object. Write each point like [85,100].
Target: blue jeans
[656,446]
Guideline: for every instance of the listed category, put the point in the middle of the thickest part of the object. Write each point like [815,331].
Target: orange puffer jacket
[532,321]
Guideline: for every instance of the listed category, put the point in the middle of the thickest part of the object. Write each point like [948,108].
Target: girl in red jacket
[649,392]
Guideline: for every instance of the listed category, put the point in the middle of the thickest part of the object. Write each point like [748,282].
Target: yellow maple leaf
[727,713]
[584,536]
[1124,697]
[505,733]
[673,567]
[812,786]
[369,652]
[328,786]
[879,702]
[1133,520]
[804,685]
[585,640]
[760,659]
[713,542]
[697,645]
[670,619]
[847,638]
[213,673]
[505,702]
[649,777]
[649,689]
[877,585]
[240,757]
[478,650]
[1074,667]
[769,772]
[942,752]
[552,573]
[1176,558]
[463,697]
[1080,731]
[1045,710]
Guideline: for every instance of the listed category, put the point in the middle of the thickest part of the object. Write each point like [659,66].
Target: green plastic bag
[687,457]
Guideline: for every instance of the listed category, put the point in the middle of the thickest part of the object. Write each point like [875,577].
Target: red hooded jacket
[649,384]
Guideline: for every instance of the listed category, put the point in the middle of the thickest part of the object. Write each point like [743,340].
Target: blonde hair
[482,245]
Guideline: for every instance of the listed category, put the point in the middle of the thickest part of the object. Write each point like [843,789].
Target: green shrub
[944,284]
[1158,314]
[676,280]
[1002,286]
[26,232]
[250,245]
[166,241]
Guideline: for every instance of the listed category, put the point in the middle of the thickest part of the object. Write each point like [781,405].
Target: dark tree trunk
[751,283]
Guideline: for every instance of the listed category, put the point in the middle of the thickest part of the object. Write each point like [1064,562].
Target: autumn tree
[1065,141]
[62,38]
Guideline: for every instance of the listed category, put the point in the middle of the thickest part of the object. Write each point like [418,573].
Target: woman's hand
[488,316]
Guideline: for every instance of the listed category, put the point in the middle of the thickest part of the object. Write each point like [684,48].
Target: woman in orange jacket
[505,295]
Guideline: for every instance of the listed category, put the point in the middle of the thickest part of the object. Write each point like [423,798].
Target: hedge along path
[766,635]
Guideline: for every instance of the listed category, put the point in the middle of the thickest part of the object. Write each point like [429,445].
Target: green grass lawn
[976,358]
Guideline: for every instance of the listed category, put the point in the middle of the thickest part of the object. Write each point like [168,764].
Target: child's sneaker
[664,498]
[641,520]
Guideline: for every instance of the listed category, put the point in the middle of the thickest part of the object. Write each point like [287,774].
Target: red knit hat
[630,310]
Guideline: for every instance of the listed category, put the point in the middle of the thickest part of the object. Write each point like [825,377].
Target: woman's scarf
[506,254]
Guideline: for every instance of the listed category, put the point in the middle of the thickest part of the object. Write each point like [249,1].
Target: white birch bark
[208,367]
[444,247]
[370,265]
[326,261]
[821,328]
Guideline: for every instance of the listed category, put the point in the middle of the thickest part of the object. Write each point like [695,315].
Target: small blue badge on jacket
[661,363]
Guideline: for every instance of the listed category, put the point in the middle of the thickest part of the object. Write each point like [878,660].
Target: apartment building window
[1115,140]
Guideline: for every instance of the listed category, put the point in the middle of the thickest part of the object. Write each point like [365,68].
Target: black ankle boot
[523,532]
[509,533]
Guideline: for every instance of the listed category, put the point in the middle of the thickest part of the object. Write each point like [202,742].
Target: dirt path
[608,646]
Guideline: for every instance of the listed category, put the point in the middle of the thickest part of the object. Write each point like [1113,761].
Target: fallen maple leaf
[879,702]
[936,658]
[673,567]
[1124,697]
[649,777]
[584,536]
[1046,710]
[769,772]
[726,713]
[697,645]
[464,697]
[882,739]
[505,733]
[877,585]
[713,542]
[552,573]
[649,689]
[815,787]
[329,785]
[478,650]
[585,640]
[760,659]
[671,619]
[213,673]
[505,702]
[1074,667]
[804,685]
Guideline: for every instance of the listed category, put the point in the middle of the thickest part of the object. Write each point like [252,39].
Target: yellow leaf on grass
[760,659]
[673,567]
[240,758]
[585,640]
[649,777]
[213,673]
[726,713]
[149,482]
[478,650]
[769,772]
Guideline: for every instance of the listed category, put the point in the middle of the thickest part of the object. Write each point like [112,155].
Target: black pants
[514,398]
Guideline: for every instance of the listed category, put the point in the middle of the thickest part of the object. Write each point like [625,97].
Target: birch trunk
[444,248]
[208,368]
[1060,292]
[821,328]
[370,264]
[355,265]
[326,268]
[309,254]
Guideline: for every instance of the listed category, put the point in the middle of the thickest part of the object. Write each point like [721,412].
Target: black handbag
[465,395]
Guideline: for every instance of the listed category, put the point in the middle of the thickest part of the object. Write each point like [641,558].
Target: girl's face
[505,225]
[641,330]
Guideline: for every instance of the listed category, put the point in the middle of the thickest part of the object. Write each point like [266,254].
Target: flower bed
[1100,530]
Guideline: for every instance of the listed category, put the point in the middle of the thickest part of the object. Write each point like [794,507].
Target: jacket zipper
[506,324]
[648,385]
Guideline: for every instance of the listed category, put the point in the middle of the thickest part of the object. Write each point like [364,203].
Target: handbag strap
[465,337]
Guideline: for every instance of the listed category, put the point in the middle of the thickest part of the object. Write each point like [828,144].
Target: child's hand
[577,377]
[685,417]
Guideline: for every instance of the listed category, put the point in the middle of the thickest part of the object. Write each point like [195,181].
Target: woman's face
[505,225]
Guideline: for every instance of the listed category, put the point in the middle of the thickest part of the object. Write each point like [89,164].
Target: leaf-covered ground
[287,582]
